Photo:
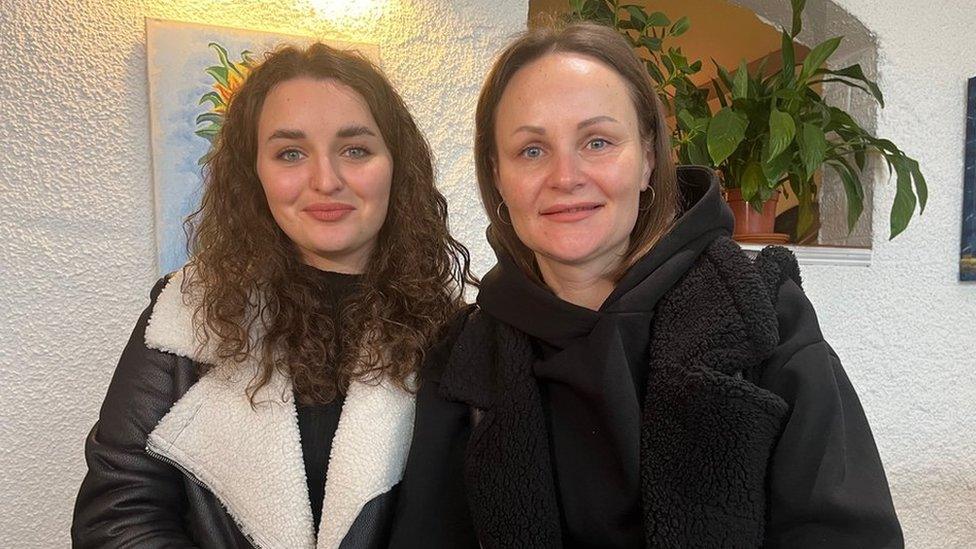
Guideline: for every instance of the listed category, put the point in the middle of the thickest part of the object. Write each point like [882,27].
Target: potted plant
[773,131]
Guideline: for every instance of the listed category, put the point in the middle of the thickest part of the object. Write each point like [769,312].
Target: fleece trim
[250,458]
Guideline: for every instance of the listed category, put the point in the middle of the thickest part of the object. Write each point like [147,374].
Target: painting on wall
[193,70]
[967,257]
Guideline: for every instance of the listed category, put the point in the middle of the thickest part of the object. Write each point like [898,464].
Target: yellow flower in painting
[235,77]
[228,77]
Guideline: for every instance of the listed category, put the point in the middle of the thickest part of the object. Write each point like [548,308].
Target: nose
[566,174]
[325,177]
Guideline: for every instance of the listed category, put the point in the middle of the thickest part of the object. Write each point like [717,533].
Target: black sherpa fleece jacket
[752,435]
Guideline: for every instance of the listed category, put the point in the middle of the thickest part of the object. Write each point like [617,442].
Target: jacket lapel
[250,457]
[369,453]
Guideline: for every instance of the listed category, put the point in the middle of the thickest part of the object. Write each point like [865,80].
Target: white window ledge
[821,255]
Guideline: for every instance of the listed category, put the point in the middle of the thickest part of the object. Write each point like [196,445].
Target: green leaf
[903,207]
[774,169]
[723,75]
[798,6]
[725,132]
[680,27]
[719,93]
[752,179]
[651,43]
[695,67]
[638,16]
[921,188]
[813,147]
[668,63]
[818,56]
[697,154]
[210,117]
[789,59]
[856,73]
[219,74]
[213,97]
[658,19]
[782,129]
[654,72]
[853,190]
[221,53]
[740,82]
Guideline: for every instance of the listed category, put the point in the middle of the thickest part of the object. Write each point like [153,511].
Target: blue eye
[290,155]
[532,152]
[356,152]
[597,144]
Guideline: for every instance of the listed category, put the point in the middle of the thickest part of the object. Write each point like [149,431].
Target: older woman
[265,398]
[629,378]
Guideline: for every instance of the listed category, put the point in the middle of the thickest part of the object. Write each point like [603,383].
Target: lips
[329,211]
[571,212]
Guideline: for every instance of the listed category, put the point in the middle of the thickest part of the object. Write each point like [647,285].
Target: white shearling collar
[250,458]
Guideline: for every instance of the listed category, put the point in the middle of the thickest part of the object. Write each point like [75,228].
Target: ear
[648,167]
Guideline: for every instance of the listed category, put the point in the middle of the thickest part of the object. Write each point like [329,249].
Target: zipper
[156,455]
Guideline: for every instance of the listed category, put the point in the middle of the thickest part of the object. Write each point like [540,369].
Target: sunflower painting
[193,72]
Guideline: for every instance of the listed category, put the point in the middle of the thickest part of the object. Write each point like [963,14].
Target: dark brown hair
[606,46]
[248,274]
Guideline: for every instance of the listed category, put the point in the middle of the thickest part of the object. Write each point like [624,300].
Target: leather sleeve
[827,482]
[128,498]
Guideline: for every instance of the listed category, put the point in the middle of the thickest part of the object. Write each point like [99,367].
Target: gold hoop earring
[651,203]
[498,213]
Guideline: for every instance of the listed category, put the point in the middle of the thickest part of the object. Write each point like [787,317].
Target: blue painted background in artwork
[967,264]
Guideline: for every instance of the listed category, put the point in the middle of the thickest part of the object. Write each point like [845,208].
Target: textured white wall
[76,260]
[905,327]
[76,256]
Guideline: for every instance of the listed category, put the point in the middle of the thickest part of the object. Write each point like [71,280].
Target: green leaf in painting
[782,129]
[813,147]
[818,56]
[680,26]
[210,117]
[213,97]
[725,131]
[219,74]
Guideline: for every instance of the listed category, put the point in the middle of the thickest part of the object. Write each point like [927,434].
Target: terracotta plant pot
[750,225]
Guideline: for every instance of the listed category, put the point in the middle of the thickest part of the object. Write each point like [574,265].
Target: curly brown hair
[249,276]
[658,209]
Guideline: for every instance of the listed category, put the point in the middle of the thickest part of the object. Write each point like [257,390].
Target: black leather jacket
[179,496]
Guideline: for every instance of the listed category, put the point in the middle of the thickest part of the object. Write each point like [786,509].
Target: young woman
[266,397]
[630,377]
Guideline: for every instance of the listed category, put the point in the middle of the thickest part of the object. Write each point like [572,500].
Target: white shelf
[821,255]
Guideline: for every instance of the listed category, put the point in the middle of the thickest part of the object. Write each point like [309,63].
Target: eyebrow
[588,122]
[287,134]
[343,133]
[354,131]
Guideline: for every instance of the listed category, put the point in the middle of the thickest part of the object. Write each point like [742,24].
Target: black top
[592,368]
[317,423]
